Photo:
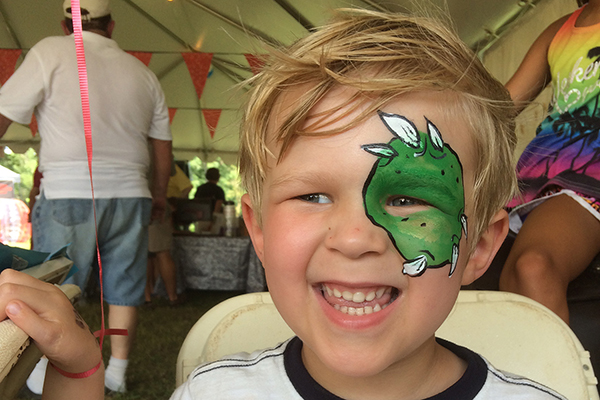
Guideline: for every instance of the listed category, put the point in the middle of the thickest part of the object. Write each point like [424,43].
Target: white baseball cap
[89,8]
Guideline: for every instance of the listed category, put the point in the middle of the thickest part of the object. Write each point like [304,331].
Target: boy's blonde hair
[382,56]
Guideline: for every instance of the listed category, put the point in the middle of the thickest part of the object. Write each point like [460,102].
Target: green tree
[24,165]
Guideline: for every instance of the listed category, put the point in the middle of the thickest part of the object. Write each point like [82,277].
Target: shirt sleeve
[24,90]
[178,183]
[160,128]
[221,194]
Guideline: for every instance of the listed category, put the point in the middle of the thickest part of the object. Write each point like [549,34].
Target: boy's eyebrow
[296,178]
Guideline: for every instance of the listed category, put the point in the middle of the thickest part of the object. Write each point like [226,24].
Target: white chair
[18,355]
[514,333]
[519,335]
[243,323]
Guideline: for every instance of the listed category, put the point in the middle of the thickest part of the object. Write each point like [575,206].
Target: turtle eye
[405,201]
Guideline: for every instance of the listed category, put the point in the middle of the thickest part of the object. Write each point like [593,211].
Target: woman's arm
[533,75]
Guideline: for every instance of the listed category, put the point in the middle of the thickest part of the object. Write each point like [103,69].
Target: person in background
[127,109]
[33,193]
[557,215]
[35,189]
[160,241]
[179,186]
[211,191]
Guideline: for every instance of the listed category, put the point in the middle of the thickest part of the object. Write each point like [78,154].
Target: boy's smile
[336,277]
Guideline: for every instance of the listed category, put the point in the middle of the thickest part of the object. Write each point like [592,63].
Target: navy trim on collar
[472,381]
[467,387]
[305,385]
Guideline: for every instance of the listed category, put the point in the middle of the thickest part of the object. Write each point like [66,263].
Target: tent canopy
[6,175]
[202,49]
[8,179]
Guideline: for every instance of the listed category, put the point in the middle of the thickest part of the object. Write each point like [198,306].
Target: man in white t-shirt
[127,110]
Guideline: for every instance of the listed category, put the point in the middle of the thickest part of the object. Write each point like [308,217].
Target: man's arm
[162,154]
[4,124]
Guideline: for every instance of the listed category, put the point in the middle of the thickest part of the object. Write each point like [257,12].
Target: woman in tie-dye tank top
[557,213]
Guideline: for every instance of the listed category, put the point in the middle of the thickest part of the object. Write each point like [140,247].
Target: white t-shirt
[127,107]
[279,373]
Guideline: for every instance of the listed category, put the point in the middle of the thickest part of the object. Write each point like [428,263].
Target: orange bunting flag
[8,62]
[143,56]
[172,112]
[198,65]
[256,63]
[33,126]
[212,119]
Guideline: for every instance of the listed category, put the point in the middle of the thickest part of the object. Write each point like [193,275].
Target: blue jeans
[122,239]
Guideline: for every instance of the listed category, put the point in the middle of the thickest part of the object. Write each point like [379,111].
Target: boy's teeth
[359,310]
[357,298]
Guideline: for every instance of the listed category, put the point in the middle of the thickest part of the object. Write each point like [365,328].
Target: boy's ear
[486,248]
[252,225]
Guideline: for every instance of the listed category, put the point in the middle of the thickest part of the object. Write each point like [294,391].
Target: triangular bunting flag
[256,63]
[198,65]
[172,112]
[143,56]
[212,119]
[8,61]
[33,125]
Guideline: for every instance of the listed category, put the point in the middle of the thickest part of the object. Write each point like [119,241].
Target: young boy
[377,154]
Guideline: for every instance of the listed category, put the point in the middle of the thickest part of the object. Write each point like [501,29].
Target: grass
[161,331]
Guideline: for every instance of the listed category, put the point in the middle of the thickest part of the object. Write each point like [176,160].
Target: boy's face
[329,228]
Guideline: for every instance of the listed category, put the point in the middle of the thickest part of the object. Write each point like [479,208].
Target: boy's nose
[353,234]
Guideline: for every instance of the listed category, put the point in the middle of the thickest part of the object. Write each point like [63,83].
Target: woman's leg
[168,273]
[150,277]
[557,242]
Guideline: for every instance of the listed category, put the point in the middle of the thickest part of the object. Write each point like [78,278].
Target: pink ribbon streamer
[87,128]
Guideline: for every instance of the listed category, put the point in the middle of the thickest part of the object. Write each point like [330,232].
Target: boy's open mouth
[360,301]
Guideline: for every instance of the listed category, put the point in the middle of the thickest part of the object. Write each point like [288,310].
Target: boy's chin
[352,366]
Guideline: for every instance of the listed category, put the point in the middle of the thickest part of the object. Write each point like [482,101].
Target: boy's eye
[315,198]
[403,201]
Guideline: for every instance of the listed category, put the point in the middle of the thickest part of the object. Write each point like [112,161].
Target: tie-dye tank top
[566,149]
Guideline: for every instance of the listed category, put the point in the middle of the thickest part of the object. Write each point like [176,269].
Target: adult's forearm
[4,124]
[162,166]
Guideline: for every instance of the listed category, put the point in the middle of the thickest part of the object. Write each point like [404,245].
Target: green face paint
[417,167]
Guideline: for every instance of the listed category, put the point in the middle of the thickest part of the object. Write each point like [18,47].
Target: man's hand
[159,205]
